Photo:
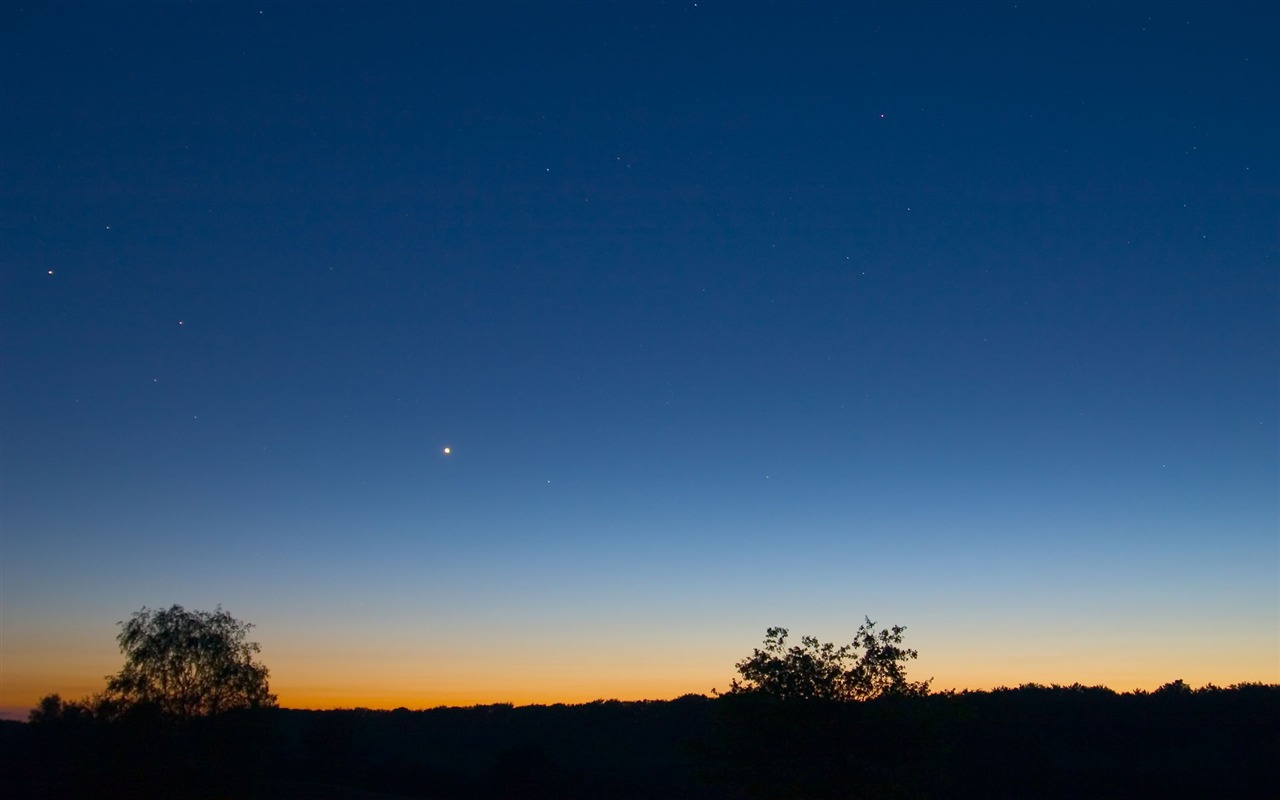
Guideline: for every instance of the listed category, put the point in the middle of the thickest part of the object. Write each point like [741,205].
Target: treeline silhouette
[1032,741]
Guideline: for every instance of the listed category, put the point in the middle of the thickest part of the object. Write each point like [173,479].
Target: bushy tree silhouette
[872,665]
[188,664]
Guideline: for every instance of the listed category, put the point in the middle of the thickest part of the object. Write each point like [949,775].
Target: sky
[959,317]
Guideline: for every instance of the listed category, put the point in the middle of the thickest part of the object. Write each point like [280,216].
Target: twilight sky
[732,315]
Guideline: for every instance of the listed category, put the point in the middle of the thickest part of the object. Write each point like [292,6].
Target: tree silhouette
[188,664]
[872,665]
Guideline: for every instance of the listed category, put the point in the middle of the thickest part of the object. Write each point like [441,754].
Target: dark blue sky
[733,315]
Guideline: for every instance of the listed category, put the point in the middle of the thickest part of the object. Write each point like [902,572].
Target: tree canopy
[188,663]
[872,665]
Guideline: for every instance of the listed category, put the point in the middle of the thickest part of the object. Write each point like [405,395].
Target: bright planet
[732,302]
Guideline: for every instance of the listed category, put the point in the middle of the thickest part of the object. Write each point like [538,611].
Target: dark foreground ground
[1032,742]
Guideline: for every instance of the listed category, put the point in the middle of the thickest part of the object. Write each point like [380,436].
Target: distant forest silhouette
[190,716]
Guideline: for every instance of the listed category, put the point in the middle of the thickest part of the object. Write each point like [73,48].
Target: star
[448,450]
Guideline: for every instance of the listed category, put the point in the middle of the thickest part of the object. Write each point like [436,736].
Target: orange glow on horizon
[312,673]
[18,698]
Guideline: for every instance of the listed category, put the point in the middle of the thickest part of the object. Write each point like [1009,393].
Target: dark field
[1041,742]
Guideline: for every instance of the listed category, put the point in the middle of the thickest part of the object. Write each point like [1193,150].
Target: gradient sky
[960,317]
